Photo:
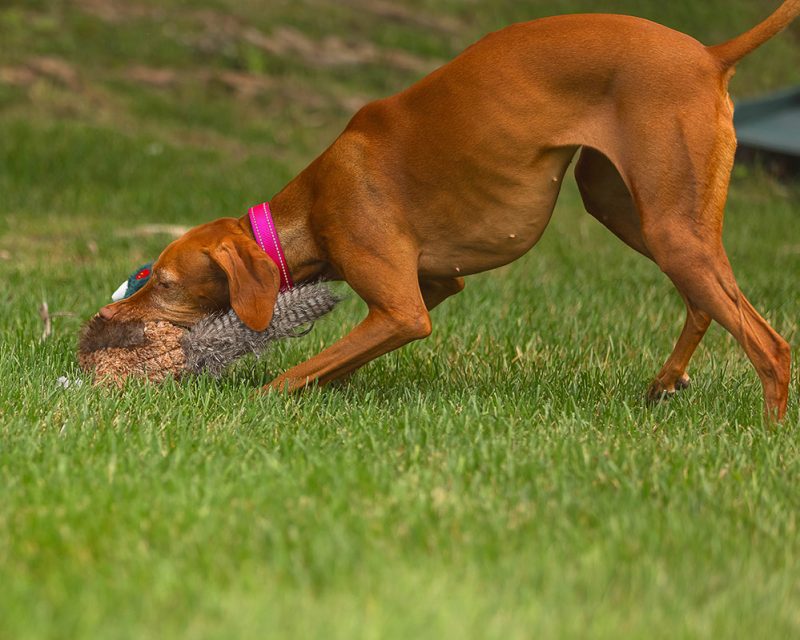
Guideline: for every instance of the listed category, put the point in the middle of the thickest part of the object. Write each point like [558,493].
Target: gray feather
[216,341]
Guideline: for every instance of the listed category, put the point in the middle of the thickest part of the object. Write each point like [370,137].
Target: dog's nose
[108,312]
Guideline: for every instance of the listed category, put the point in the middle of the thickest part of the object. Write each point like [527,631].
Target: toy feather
[216,341]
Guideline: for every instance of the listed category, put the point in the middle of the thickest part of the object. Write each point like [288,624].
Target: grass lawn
[501,479]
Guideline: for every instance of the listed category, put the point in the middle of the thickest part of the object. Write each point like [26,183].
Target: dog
[460,173]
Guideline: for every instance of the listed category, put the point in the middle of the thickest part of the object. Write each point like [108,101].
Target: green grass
[501,479]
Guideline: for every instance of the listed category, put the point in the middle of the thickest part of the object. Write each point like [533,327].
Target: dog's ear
[253,280]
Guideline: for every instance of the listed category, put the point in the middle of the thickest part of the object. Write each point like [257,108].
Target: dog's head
[211,268]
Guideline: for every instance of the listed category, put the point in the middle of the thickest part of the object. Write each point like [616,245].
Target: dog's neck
[291,209]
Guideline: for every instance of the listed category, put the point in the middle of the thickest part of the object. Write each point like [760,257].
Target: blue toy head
[135,282]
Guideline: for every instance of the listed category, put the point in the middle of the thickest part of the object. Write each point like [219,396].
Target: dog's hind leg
[679,184]
[607,198]
[673,376]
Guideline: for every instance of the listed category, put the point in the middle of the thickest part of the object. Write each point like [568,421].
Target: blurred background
[122,122]
[276,79]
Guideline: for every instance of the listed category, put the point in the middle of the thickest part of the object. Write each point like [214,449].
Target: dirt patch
[333,51]
[405,15]
[239,83]
[17,76]
[116,11]
[243,85]
[56,70]
[159,78]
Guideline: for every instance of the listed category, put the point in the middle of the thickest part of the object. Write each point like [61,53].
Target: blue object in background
[770,124]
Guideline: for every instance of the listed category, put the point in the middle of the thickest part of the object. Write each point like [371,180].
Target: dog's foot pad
[659,391]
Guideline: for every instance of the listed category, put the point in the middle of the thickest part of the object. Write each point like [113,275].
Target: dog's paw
[684,382]
[660,391]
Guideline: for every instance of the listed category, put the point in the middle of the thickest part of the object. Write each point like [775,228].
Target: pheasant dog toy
[155,350]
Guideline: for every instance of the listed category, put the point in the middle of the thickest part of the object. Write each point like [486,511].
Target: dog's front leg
[379,333]
[388,283]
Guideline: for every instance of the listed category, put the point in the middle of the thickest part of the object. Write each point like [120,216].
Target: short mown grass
[502,479]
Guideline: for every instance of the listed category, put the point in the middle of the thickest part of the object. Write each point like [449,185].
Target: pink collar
[267,238]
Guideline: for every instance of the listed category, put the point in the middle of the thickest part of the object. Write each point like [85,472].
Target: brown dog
[460,173]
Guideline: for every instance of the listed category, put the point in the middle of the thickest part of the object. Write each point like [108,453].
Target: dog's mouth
[177,317]
[183,323]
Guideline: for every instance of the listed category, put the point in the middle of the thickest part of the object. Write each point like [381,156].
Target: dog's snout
[108,312]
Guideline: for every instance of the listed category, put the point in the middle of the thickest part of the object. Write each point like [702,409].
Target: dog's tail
[729,53]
